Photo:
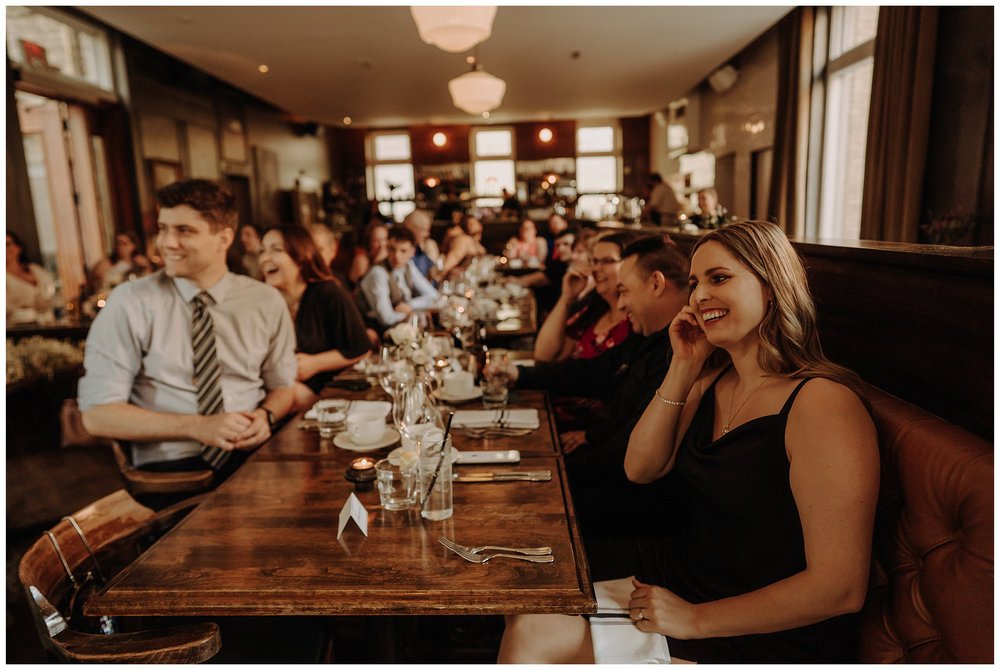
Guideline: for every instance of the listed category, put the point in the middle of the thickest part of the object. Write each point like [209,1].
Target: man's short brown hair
[214,203]
[659,253]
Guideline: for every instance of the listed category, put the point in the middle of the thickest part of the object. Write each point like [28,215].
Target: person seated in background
[555,226]
[370,251]
[546,283]
[459,248]
[329,330]
[126,261]
[328,245]
[600,323]
[394,288]
[527,246]
[250,248]
[427,253]
[511,205]
[192,365]
[710,213]
[663,206]
[776,460]
[29,285]
[652,287]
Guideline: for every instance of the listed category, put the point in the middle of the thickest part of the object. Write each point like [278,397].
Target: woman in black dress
[329,330]
[774,459]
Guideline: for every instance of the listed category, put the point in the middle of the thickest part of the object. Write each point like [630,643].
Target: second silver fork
[527,551]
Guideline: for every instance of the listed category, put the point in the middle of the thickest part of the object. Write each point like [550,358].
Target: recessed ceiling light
[545,134]
[263,69]
[439,139]
[347,120]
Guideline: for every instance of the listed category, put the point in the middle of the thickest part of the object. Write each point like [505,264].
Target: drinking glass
[435,491]
[330,421]
[397,484]
[496,378]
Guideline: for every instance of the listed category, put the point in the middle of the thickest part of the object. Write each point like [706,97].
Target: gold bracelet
[668,402]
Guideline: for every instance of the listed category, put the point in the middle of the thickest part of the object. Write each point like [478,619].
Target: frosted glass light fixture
[477,91]
[454,29]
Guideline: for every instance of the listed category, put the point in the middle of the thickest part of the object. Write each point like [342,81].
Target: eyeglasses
[605,261]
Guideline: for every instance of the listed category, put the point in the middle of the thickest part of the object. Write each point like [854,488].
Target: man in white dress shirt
[140,384]
[394,288]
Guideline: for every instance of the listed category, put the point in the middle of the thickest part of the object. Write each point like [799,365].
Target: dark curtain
[786,200]
[899,123]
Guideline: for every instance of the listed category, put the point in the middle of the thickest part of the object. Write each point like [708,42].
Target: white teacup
[365,427]
[458,384]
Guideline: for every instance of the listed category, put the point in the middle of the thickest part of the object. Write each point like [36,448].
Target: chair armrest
[191,643]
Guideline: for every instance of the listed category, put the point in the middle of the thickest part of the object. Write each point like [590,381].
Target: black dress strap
[791,398]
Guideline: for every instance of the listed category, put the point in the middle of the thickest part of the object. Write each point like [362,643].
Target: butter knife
[519,476]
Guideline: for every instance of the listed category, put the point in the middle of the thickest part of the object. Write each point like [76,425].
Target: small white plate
[338,403]
[344,441]
[477,392]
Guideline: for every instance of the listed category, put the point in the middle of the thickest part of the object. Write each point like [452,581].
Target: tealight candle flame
[362,464]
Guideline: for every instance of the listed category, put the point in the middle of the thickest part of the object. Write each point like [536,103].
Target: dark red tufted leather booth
[930,598]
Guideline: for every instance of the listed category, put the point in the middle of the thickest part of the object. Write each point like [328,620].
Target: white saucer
[477,392]
[344,441]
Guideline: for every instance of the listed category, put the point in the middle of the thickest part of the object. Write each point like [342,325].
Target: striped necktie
[206,372]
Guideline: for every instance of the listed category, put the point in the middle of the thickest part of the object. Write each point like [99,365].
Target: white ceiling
[369,63]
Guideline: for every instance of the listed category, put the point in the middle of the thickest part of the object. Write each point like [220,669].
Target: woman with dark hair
[373,250]
[774,460]
[28,284]
[329,331]
[587,330]
[126,261]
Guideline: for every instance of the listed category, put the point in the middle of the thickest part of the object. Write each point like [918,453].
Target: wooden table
[265,543]
[523,325]
[292,443]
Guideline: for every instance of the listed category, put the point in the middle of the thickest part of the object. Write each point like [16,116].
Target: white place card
[353,509]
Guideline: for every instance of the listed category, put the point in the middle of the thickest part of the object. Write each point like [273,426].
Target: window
[492,165]
[598,171]
[390,173]
[846,84]
[46,41]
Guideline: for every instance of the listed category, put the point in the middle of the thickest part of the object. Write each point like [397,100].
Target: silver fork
[485,558]
[527,551]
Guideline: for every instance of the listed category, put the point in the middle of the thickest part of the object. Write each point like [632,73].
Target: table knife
[519,476]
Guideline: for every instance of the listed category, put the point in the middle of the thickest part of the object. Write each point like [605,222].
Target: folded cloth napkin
[618,640]
[488,418]
[378,406]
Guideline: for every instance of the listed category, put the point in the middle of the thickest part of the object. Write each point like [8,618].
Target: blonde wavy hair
[789,338]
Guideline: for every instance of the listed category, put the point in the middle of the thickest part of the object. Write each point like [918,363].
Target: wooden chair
[153,488]
[116,528]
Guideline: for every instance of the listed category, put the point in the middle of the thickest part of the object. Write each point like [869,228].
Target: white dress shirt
[139,350]
[382,288]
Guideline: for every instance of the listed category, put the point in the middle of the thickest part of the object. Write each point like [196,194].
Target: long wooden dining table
[265,542]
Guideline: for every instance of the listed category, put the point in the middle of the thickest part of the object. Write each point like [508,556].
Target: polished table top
[265,543]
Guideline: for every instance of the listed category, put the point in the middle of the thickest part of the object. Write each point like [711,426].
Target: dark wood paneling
[456,150]
[530,148]
[635,154]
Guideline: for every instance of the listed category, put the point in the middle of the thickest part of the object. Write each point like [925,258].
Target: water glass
[397,484]
[435,457]
[330,421]
[495,379]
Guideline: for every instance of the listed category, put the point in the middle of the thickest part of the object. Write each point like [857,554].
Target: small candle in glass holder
[362,473]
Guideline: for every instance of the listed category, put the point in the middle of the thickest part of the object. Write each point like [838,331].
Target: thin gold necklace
[732,399]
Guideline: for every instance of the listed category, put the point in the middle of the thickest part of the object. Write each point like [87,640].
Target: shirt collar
[188,289]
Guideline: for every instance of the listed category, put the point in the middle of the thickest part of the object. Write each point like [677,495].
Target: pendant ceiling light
[477,91]
[454,29]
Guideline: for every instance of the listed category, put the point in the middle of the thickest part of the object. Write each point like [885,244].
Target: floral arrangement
[36,359]
[950,228]
[412,344]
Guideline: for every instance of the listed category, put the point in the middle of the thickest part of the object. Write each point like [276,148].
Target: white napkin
[378,406]
[486,418]
[618,640]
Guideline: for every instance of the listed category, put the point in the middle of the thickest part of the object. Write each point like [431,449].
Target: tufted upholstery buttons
[930,598]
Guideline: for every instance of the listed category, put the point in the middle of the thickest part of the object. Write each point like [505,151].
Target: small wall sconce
[439,139]
[545,135]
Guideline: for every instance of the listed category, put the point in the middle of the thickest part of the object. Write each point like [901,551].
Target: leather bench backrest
[930,598]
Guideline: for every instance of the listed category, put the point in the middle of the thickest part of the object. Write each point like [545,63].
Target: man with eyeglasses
[652,287]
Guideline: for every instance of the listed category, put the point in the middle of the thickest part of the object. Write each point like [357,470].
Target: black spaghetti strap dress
[739,531]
